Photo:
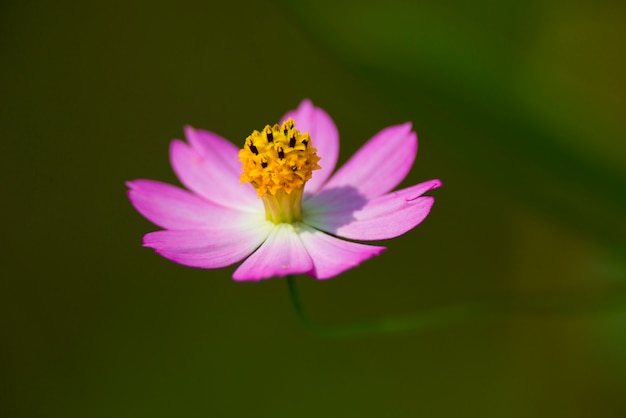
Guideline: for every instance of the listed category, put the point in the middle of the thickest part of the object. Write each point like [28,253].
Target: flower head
[276,205]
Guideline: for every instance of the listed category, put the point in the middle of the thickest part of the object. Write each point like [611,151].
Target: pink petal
[210,168]
[332,256]
[211,248]
[218,150]
[281,254]
[381,164]
[171,207]
[384,217]
[324,136]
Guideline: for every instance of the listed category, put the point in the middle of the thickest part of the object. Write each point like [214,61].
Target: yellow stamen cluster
[278,159]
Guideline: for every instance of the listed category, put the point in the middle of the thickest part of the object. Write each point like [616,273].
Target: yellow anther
[279,158]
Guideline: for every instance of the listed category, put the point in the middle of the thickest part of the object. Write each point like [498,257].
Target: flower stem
[558,304]
[421,321]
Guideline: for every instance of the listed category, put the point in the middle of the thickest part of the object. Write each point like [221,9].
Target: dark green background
[519,107]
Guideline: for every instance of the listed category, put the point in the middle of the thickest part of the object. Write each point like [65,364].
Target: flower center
[277,162]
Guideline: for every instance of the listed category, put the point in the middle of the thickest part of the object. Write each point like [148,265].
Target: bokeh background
[519,107]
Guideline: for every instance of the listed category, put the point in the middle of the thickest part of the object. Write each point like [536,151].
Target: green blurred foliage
[530,93]
[519,110]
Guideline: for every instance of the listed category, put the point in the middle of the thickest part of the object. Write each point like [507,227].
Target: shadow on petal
[333,208]
[343,211]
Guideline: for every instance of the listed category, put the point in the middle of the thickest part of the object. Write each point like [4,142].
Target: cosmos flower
[276,205]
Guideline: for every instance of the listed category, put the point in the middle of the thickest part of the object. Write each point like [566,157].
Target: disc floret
[278,161]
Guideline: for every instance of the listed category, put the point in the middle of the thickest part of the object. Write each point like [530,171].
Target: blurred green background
[519,107]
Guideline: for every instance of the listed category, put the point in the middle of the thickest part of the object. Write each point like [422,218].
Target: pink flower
[266,217]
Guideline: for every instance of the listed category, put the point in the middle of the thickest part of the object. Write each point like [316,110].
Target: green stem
[421,321]
[543,305]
